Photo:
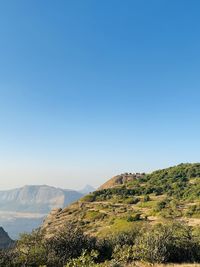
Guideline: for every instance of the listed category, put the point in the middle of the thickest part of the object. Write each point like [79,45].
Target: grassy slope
[172,193]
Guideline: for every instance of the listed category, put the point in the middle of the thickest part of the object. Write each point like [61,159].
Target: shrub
[123,254]
[85,260]
[8,258]
[146,198]
[151,246]
[160,205]
[193,210]
[89,198]
[126,237]
[104,248]
[167,243]
[132,200]
[31,249]
[134,217]
[68,243]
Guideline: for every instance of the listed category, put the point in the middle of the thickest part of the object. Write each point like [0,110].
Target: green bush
[173,242]
[89,198]
[193,210]
[85,260]
[146,198]
[68,243]
[123,254]
[160,205]
[134,217]
[167,243]
[31,250]
[132,200]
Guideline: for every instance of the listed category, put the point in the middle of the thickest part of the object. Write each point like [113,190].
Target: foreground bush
[70,247]
[69,243]
[162,243]
[85,260]
[30,250]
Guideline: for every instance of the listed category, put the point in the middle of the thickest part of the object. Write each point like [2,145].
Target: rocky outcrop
[5,240]
[120,180]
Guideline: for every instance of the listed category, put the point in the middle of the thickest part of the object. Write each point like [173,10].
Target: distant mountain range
[87,189]
[25,208]
[36,198]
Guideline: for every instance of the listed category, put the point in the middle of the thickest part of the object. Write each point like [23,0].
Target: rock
[5,240]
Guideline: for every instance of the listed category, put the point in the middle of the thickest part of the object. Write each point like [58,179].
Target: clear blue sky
[89,89]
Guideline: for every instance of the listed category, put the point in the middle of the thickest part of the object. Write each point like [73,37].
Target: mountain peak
[87,189]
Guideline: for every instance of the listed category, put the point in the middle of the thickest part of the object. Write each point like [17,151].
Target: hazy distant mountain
[23,209]
[36,198]
[87,189]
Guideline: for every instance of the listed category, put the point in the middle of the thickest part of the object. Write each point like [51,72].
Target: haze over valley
[24,209]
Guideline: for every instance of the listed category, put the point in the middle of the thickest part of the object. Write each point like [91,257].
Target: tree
[31,249]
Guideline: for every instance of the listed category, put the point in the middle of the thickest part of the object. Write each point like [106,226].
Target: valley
[24,209]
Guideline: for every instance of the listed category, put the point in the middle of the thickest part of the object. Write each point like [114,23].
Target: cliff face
[5,240]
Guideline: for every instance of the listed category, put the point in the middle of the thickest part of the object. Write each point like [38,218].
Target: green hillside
[172,193]
[131,220]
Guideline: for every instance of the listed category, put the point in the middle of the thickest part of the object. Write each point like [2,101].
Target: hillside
[172,193]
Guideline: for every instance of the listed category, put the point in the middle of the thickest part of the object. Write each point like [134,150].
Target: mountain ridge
[36,198]
[23,209]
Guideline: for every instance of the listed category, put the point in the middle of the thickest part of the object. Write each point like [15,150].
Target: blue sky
[90,89]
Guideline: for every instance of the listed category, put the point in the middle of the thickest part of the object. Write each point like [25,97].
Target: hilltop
[120,180]
[171,193]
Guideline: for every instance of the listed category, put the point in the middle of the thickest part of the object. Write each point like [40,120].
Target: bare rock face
[120,180]
[5,240]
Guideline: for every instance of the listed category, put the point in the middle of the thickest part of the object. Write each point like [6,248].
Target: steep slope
[172,193]
[36,198]
[5,240]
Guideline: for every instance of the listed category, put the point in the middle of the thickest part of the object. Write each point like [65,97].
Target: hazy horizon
[95,183]
[90,89]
